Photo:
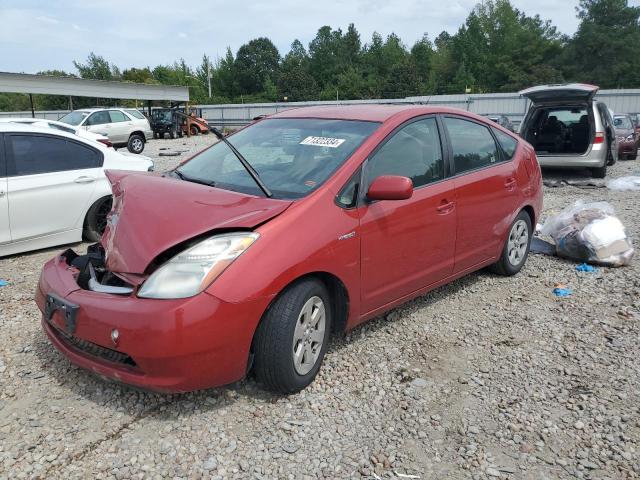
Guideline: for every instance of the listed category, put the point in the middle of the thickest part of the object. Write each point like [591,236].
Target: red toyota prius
[306,223]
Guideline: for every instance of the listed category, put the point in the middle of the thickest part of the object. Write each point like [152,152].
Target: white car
[42,122]
[124,126]
[53,189]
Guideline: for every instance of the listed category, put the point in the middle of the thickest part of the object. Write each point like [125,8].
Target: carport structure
[80,87]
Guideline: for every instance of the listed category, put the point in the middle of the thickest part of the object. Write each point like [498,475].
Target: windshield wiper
[182,176]
[250,170]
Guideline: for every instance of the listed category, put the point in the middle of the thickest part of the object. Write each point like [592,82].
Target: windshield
[292,156]
[160,115]
[622,122]
[74,118]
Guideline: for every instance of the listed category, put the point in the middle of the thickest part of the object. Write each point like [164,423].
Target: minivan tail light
[599,138]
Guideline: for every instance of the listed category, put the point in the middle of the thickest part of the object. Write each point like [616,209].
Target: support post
[33,108]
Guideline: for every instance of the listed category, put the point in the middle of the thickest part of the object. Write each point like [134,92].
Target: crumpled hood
[152,214]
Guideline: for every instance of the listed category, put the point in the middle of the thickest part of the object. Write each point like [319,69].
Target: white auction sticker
[323,142]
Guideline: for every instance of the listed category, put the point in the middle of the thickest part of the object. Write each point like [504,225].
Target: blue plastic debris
[3,283]
[585,267]
[562,292]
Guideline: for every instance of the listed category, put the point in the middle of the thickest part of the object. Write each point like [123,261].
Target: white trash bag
[630,183]
[590,232]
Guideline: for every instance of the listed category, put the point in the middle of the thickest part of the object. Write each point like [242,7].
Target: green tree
[255,62]
[295,81]
[97,68]
[605,49]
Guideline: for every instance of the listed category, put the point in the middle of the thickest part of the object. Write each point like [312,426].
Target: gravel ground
[488,377]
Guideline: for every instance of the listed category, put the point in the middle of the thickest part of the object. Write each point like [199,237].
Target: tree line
[497,49]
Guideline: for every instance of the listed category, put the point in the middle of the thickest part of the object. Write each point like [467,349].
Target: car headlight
[194,269]
[630,138]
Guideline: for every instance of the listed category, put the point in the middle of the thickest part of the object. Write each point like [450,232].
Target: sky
[45,35]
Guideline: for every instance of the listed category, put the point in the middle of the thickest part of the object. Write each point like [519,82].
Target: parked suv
[568,128]
[124,127]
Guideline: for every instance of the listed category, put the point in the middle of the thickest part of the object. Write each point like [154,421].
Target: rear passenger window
[414,151]
[31,154]
[473,146]
[507,142]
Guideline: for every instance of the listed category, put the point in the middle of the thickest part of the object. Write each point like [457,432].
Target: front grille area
[96,350]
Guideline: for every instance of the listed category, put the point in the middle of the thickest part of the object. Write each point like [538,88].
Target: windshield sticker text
[323,142]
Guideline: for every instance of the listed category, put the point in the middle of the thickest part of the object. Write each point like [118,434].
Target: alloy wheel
[518,242]
[308,336]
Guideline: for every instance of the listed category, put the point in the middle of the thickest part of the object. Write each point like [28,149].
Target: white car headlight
[193,270]
[630,138]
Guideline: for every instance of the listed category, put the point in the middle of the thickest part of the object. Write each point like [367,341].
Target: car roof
[11,127]
[364,112]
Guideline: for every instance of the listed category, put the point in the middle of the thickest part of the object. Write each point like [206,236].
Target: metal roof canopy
[80,87]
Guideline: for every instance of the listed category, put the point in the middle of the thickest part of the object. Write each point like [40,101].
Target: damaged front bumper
[163,345]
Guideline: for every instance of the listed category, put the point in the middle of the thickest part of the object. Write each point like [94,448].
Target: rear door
[569,93]
[5,230]
[486,191]
[407,244]
[51,181]
[121,125]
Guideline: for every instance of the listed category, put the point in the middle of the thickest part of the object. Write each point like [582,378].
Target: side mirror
[390,187]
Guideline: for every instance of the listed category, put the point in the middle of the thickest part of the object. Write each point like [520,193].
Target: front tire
[135,143]
[516,247]
[193,130]
[292,338]
[96,219]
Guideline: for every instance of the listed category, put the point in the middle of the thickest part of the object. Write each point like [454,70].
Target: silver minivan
[568,128]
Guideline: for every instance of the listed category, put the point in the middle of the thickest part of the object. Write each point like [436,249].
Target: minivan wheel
[516,248]
[292,338]
[135,144]
[599,172]
[96,220]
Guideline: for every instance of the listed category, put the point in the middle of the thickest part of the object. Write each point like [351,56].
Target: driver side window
[414,151]
[98,118]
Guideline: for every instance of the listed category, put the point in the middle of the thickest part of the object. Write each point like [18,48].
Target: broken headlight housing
[193,270]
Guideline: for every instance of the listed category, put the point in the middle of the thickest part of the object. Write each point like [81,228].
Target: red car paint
[383,253]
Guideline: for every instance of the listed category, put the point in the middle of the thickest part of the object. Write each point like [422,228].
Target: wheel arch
[532,215]
[340,305]
[140,133]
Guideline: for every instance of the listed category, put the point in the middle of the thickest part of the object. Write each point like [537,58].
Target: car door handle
[85,179]
[445,207]
[510,183]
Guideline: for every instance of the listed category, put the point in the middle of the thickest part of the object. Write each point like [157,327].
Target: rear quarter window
[508,144]
[136,114]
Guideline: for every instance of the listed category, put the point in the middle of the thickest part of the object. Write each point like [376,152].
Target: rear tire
[135,143]
[155,135]
[193,130]
[173,134]
[292,338]
[599,172]
[96,219]
[516,247]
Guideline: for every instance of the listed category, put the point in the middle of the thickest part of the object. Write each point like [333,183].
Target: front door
[51,182]
[99,122]
[407,244]
[486,192]
[5,231]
